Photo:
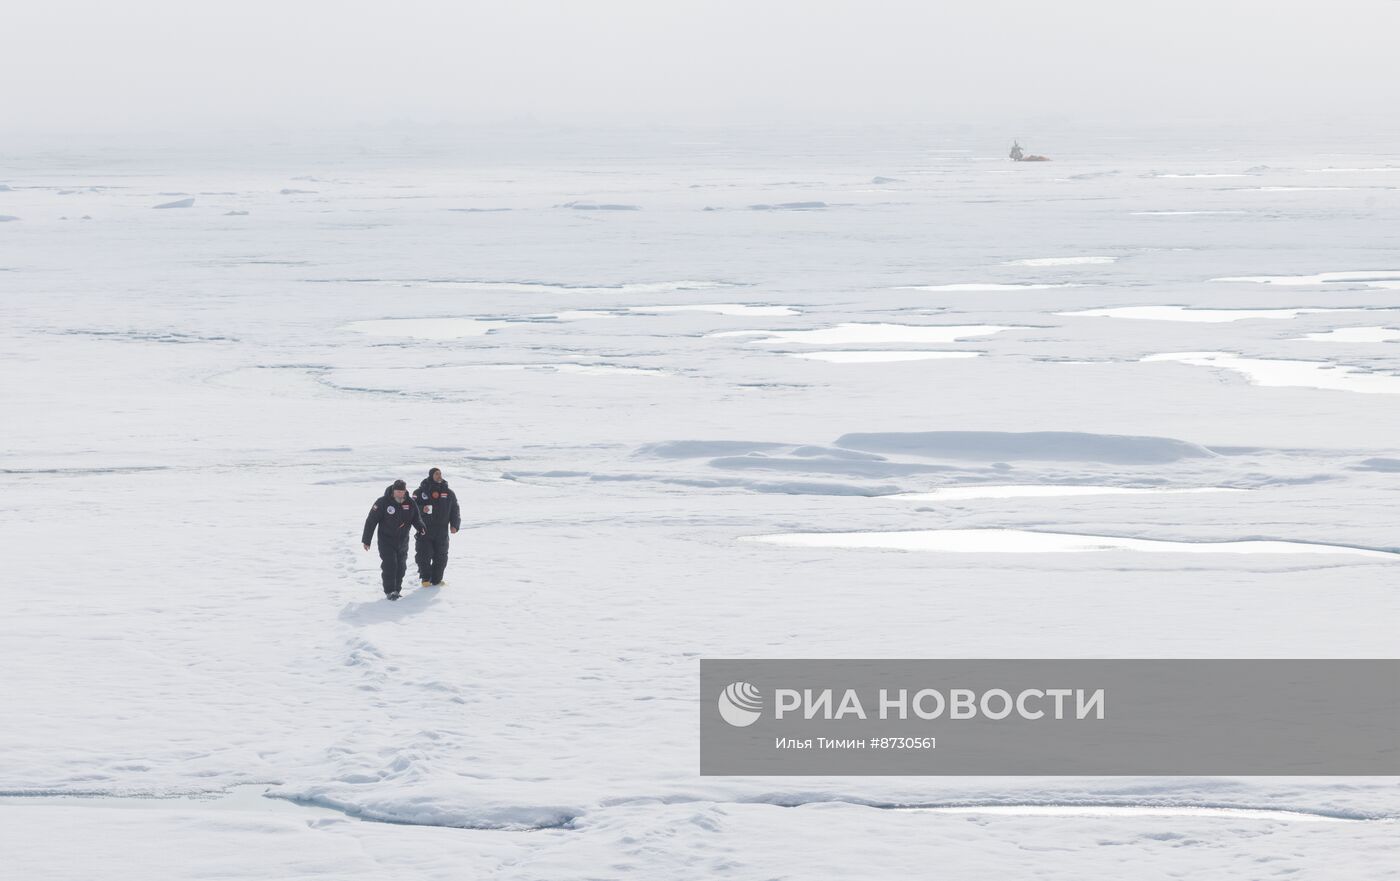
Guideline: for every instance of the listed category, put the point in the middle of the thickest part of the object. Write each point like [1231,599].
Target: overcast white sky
[100,64]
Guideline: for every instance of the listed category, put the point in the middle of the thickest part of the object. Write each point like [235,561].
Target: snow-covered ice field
[702,394]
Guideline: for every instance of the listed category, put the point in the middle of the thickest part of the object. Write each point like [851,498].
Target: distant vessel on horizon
[1019,155]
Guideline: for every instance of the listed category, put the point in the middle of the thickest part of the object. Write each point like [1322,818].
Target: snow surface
[959,493]
[1288,189]
[719,309]
[1019,541]
[1357,335]
[1182,213]
[1276,372]
[857,334]
[986,286]
[1372,169]
[878,356]
[194,437]
[1382,279]
[1063,261]
[1184,313]
[423,328]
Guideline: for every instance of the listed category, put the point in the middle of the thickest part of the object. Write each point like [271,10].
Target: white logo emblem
[740,704]
[391,509]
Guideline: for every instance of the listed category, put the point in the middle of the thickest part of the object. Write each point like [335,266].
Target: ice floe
[1181,213]
[1062,261]
[178,203]
[588,577]
[803,458]
[1106,811]
[458,380]
[874,467]
[424,328]
[582,368]
[1378,463]
[1379,278]
[1356,335]
[1373,169]
[1041,491]
[1281,373]
[599,206]
[576,315]
[699,449]
[1023,541]
[251,798]
[737,309]
[1295,189]
[879,356]
[1047,446]
[858,333]
[988,286]
[1188,313]
[537,287]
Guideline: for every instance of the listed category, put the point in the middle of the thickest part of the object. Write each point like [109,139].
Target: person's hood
[431,485]
[389,495]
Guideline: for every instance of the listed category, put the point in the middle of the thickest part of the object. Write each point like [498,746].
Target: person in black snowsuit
[394,515]
[441,515]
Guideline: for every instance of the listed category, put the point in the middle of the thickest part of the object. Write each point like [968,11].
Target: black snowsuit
[394,520]
[440,511]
